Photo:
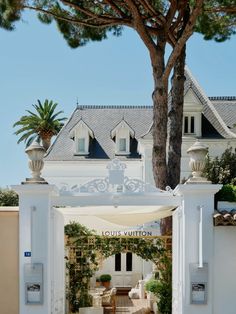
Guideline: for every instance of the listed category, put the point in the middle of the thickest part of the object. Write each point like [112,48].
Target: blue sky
[36,63]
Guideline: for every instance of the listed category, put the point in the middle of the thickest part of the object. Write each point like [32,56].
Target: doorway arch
[86,250]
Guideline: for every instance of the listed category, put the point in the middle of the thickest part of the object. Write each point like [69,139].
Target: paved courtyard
[124,305]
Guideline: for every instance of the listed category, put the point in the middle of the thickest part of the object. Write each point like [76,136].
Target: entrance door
[123,269]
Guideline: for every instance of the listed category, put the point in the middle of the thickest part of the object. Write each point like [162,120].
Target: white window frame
[122,131]
[197,124]
[189,126]
[81,132]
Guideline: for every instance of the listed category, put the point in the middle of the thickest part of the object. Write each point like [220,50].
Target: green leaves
[41,124]
[218,20]
[9,13]
[8,198]
[222,169]
[161,286]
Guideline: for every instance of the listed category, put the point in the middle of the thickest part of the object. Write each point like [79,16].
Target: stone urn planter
[105,280]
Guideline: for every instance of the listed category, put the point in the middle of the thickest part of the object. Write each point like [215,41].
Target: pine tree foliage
[10,12]
[218,20]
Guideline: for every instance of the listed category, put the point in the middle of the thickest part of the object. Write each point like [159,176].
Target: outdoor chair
[134,292]
[109,299]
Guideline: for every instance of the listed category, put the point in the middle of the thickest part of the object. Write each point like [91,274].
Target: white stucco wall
[224,270]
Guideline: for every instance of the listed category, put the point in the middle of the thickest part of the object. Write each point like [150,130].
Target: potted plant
[151,288]
[98,282]
[105,279]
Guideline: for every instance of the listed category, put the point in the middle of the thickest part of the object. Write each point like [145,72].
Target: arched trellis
[86,250]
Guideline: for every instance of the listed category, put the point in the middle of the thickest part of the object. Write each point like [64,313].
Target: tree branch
[141,28]
[230,9]
[159,18]
[115,7]
[87,12]
[171,13]
[112,22]
[184,37]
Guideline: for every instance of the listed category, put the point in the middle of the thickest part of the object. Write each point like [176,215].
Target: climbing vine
[86,250]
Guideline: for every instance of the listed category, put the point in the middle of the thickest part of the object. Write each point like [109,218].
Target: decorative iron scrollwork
[115,182]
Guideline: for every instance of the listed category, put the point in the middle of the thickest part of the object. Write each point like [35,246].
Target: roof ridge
[81,107]
[222,97]
[208,107]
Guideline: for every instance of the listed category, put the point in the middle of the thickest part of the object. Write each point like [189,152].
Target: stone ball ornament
[35,153]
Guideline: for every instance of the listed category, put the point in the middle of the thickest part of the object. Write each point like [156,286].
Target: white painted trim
[9,208]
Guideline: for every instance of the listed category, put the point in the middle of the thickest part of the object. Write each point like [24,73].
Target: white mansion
[95,134]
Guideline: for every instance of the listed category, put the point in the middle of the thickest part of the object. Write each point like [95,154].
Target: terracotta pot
[106,284]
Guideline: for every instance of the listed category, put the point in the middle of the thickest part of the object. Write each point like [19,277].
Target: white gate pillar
[35,251]
[193,249]
[193,241]
[35,238]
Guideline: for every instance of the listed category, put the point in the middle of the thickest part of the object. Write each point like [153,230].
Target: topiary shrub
[105,278]
[227,193]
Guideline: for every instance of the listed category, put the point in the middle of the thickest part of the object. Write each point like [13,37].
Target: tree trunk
[160,118]
[176,121]
[175,132]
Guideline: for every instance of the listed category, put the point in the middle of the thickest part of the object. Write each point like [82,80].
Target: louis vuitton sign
[129,233]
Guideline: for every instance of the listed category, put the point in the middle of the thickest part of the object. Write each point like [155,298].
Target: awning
[115,216]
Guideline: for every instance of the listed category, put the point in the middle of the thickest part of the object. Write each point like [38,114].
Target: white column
[189,250]
[34,237]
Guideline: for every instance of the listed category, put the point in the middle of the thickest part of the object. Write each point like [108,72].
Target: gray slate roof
[226,108]
[101,120]
[209,109]
[219,111]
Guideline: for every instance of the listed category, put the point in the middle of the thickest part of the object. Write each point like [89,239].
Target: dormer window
[122,133]
[81,135]
[189,124]
[193,108]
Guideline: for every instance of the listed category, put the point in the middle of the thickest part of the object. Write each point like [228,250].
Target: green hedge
[227,193]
